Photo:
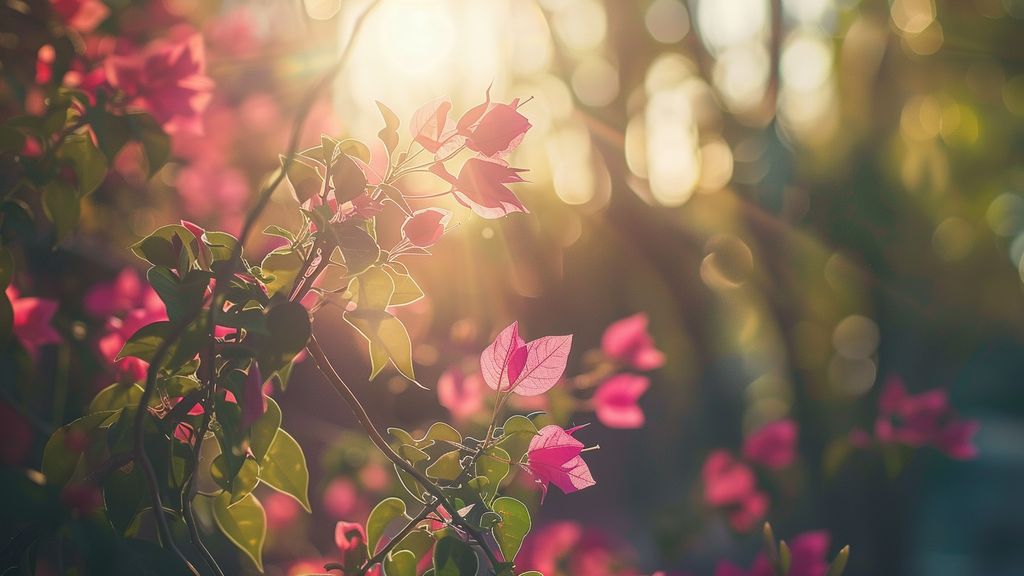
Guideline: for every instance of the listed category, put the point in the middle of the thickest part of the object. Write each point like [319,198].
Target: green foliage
[244,523]
[400,563]
[380,517]
[284,469]
[514,526]
[453,557]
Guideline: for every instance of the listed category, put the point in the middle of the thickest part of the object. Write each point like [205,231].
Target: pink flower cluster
[567,548]
[627,344]
[32,321]
[730,483]
[915,420]
[126,303]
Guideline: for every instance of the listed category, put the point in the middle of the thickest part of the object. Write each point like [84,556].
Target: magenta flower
[730,484]
[773,445]
[431,127]
[627,341]
[921,419]
[462,394]
[554,458]
[120,295]
[481,186]
[167,79]
[493,129]
[32,317]
[615,402]
[425,227]
[81,15]
[511,365]
[351,540]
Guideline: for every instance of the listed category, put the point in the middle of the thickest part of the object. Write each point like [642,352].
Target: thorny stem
[325,367]
[160,354]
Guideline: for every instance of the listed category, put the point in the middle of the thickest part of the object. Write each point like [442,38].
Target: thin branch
[325,367]
[380,556]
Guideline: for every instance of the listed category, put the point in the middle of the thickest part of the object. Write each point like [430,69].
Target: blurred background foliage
[805,196]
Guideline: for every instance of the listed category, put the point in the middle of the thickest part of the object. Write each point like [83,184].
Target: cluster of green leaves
[469,473]
[352,267]
[52,162]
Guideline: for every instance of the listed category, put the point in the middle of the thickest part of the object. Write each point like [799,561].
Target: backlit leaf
[284,468]
[244,524]
[379,518]
[514,526]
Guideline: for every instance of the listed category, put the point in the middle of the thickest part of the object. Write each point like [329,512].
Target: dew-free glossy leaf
[514,526]
[284,468]
[453,557]
[244,524]
[400,563]
[379,518]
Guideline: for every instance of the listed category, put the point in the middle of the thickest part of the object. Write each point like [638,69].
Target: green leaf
[12,141]
[89,162]
[453,557]
[305,180]
[288,325]
[395,195]
[156,144]
[373,289]
[517,433]
[285,264]
[513,528]
[65,446]
[379,518]
[388,340]
[406,289]
[160,247]
[264,430]
[348,180]
[181,297]
[60,203]
[400,563]
[446,467]
[494,465]
[115,397]
[274,230]
[355,148]
[389,133]
[839,564]
[284,469]
[145,341]
[417,541]
[244,524]
[238,483]
[531,573]
[357,246]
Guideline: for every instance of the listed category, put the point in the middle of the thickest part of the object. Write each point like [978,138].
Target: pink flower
[511,365]
[351,540]
[341,497]
[81,15]
[554,457]
[124,293]
[773,445]
[167,79]
[731,485]
[119,329]
[462,394]
[32,317]
[922,419]
[493,129]
[430,125]
[627,341]
[281,511]
[481,187]
[615,402]
[425,227]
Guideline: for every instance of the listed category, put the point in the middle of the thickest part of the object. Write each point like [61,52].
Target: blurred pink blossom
[493,129]
[281,510]
[462,394]
[167,79]
[615,402]
[773,445]
[32,317]
[808,557]
[731,485]
[341,498]
[628,342]
[81,15]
